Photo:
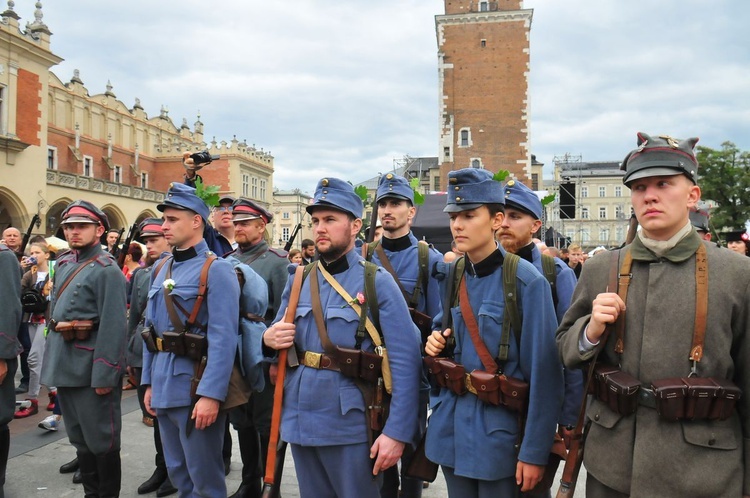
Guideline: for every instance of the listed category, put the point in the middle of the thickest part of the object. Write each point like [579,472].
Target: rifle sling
[202,289]
[412,301]
[317,311]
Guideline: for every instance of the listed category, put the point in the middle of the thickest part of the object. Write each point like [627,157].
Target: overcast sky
[342,88]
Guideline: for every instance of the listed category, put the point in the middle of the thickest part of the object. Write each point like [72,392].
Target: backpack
[32,301]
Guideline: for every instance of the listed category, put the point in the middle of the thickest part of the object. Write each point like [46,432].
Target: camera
[203,157]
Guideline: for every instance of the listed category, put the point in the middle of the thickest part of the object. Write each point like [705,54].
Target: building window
[602,213]
[618,191]
[604,236]
[476,163]
[584,192]
[447,152]
[144,180]
[262,190]
[117,174]
[602,191]
[51,157]
[88,166]
[585,236]
[285,234]
[484,43]
[535,181]
[465,135]
[484,6]
[570,233]
[245,184]
[584,213]
[436,184]
[619,213]
[620,231]
[254,188]
[285,215]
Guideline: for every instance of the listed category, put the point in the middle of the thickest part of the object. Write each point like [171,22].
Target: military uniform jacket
[641,454]
[477,439]
[565,284]
[10,296]
[97,293]
[325,408]
[405,262]
[271,264]
[169,375]
[138,300]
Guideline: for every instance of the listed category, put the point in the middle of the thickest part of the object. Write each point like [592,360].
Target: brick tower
[483,67]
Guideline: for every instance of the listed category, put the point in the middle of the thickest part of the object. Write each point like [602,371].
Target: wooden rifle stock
[373,223]
[272,479]
[632,229]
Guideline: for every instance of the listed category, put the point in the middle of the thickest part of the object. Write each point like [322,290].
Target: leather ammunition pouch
[485,386]
[695,398]
[353,363]
[622,390]
[194,346]
[149,339]
[79,330]
[423,323]
[451,375]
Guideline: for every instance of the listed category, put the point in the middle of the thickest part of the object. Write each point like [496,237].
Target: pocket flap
[709,434]
[601,414]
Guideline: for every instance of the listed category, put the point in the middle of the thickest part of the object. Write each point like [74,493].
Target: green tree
[725,179]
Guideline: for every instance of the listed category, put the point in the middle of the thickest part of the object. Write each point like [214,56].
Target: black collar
[526,252]
[487,266]
[185,254]
[338,266]
[398,244]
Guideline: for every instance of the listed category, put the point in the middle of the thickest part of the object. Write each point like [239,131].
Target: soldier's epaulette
[106,259]
[230,253]
[64,257]
[278,252]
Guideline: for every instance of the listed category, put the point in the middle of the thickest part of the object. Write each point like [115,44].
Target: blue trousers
[465,487]
[194,463]
[335,471]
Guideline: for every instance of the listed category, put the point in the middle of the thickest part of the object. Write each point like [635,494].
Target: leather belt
[161,345]
[646,397]
[319,361]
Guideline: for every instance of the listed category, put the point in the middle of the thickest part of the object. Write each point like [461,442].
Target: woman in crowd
[295,256]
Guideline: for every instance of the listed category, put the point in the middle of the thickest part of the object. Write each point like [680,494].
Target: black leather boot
[4,449]
[69,467]
[87,464]
[110,474]
[166,488]
[252,466]
[410,487]
[154,482]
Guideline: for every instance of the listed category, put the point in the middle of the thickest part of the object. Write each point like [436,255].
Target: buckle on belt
[469,385]
[646,397]
[312,359]
[159,343]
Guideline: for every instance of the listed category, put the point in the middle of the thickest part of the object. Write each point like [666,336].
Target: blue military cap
[150,227]
[521,197]
[181,196]
[84,212]
[470,188]
[660,156]
[699,215]
[245,209]
[336,194]
[394,186]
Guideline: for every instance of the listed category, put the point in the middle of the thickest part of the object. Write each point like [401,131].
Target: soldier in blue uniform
[193,457]
[253,419]
[85,353]
[324,410]
[475,442]
[10,321]
[399,248]
[523,212]
[151,234]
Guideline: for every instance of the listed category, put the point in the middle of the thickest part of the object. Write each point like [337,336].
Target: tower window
[484,6]
[465,140]
[484,43]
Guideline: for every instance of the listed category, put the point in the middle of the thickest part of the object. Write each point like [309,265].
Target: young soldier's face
[81,235]
[661,204]
[334,232]
[516,229]
[395,214]
[112,238]
[180,226]
[474,230]
[155,246]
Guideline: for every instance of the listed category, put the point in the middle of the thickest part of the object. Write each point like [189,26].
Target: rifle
[126,245]
[632,229]
[35,220]
[115,251]
[373,223]
[289,242]
[272,479]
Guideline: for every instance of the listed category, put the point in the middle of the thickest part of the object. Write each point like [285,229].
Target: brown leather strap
[202,289]
[471,324]
[386,263]
[701,303]
[623,282]
[317,311]
[72,276]
[278,394]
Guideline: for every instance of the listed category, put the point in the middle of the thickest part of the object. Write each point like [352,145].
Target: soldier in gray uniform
[253,419]
[85,354]
[10,320]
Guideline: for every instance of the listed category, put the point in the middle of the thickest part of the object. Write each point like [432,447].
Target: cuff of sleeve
[105,374]
[584,345]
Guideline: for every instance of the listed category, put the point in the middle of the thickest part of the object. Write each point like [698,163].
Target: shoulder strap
[371,296]
[701,303]
[550,273]
[471,324]
[202,290]
[317,310]
[160,265]
[386,263]
[72,276]
[511,317]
